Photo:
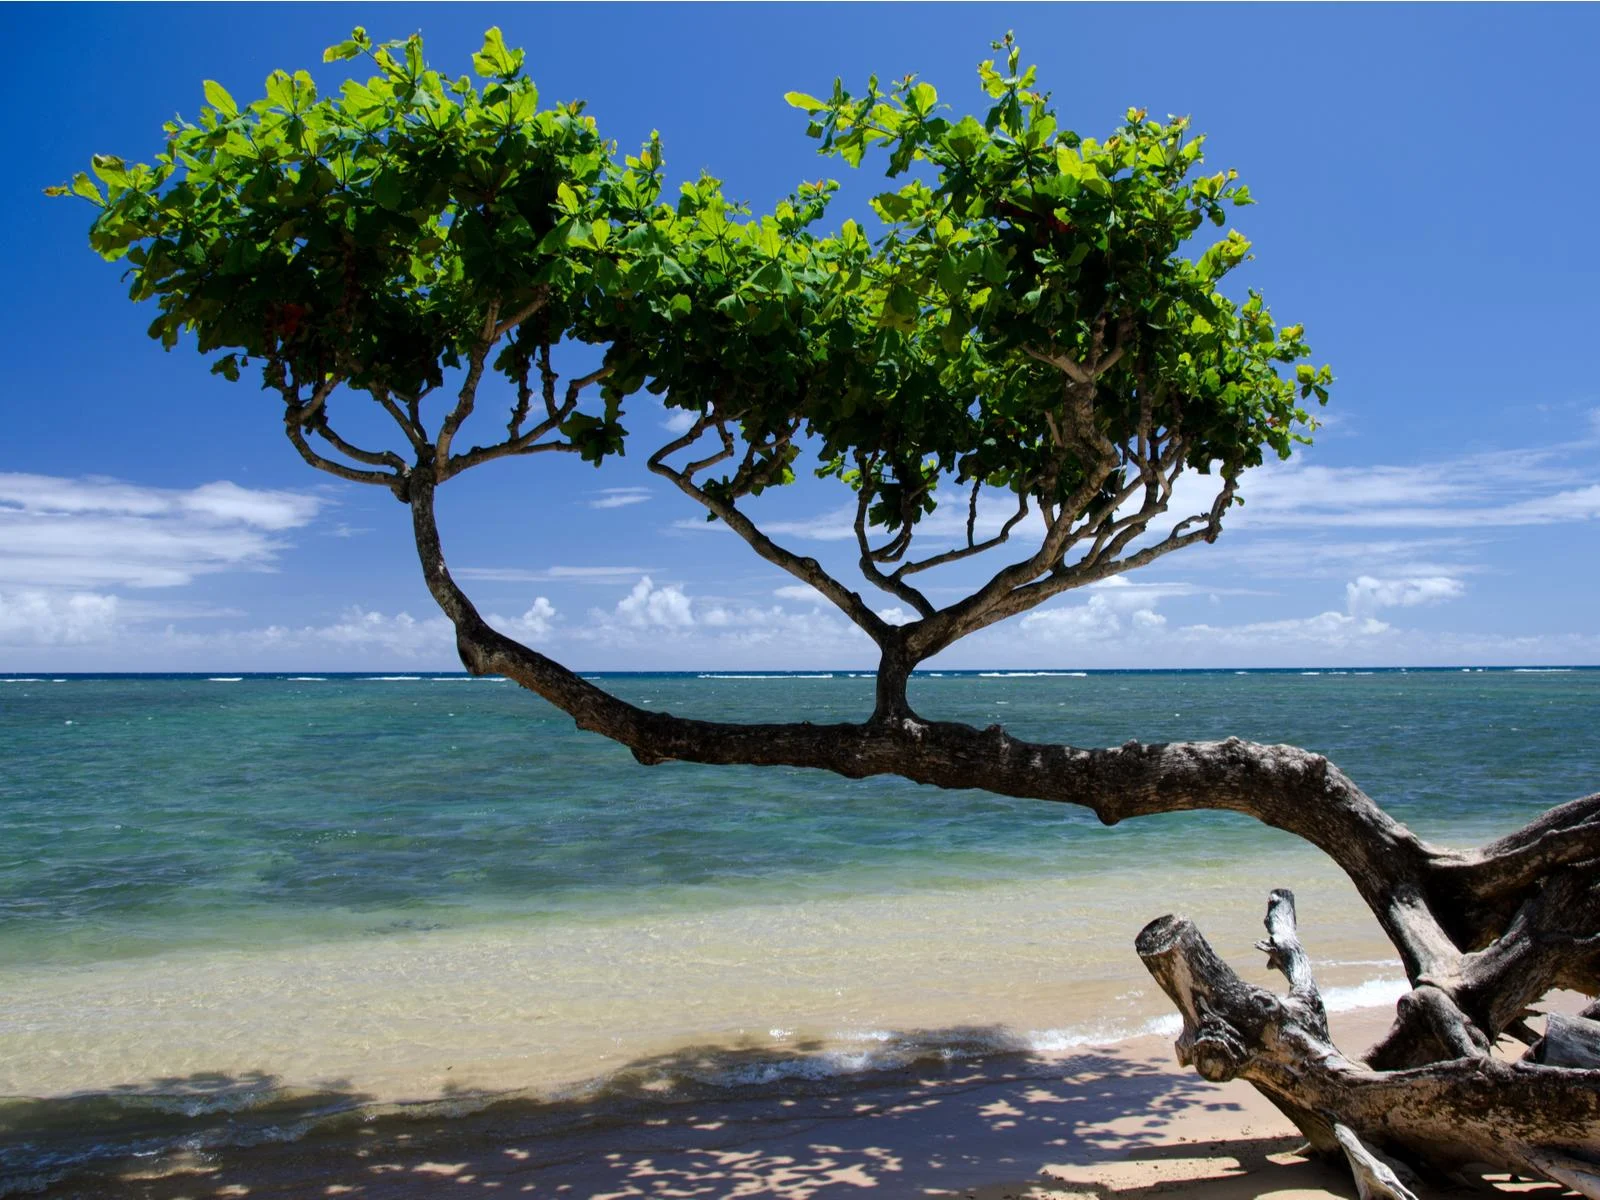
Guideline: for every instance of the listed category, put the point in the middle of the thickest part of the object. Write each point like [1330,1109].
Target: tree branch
[493,330]
[527,443]
[807,570]
[296,435]
[541,296]
[298,416]
[1284,953]
[373,458]
[972,547]
[959,620]
[1567,834]
[868,562]
[409,422]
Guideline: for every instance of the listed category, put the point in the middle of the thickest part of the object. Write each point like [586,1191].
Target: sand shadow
[703,1121]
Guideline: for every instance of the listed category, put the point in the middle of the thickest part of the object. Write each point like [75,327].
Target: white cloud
[647,605]
[1365,595]
[619,497]
[402,636]
[96,532]
[228,502]
[733,616]
[1503,489]
[220,502]
[800,591]
[1096,620]
[667,628]
[51,618]
[535,623]
[895,615]
[1127,594]
[679,420]
[58,622]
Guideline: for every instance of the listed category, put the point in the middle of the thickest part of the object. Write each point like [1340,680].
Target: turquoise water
[233,909]
[144,813]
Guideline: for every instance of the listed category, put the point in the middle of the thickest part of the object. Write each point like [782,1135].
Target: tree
[1036,320]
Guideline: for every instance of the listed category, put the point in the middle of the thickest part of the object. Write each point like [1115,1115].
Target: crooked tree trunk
[1482,934]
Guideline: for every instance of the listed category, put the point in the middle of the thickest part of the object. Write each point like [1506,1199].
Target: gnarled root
[1526,1117]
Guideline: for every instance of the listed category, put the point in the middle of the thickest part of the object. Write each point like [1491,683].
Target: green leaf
[556,240]
[494,61]
[804,102]
[110,168]
[950,275]
[892,206]
[217,96]
[966,136]
[341,52]
[83,186]
[280,90]
[388,189]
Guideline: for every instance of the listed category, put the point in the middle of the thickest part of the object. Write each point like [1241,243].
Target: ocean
[236,907]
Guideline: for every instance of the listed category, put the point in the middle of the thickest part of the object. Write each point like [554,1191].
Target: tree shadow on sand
[702,1122]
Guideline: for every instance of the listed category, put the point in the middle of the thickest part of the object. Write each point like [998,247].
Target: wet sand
[1118,1121]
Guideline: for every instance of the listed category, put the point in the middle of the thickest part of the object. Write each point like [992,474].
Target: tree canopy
[1036,312]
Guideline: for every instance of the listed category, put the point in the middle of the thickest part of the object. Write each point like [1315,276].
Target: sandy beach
[1119,1121]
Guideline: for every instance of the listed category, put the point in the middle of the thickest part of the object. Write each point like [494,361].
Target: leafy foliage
[1032,298]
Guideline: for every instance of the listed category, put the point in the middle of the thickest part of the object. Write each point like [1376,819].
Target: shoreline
[1119,1119]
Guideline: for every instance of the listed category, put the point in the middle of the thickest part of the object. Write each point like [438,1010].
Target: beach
[404,934]
[1122,1121]
[1117,1120]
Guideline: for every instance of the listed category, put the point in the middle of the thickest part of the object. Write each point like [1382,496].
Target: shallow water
[230,892]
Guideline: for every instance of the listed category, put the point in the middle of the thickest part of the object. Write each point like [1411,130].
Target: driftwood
[1531,1118]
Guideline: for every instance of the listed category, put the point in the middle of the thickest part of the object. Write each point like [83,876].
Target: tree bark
[1568,1042]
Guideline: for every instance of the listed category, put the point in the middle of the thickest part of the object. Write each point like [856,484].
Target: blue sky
[1426,183]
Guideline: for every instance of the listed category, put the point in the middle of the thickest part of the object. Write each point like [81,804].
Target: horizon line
[40,675]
